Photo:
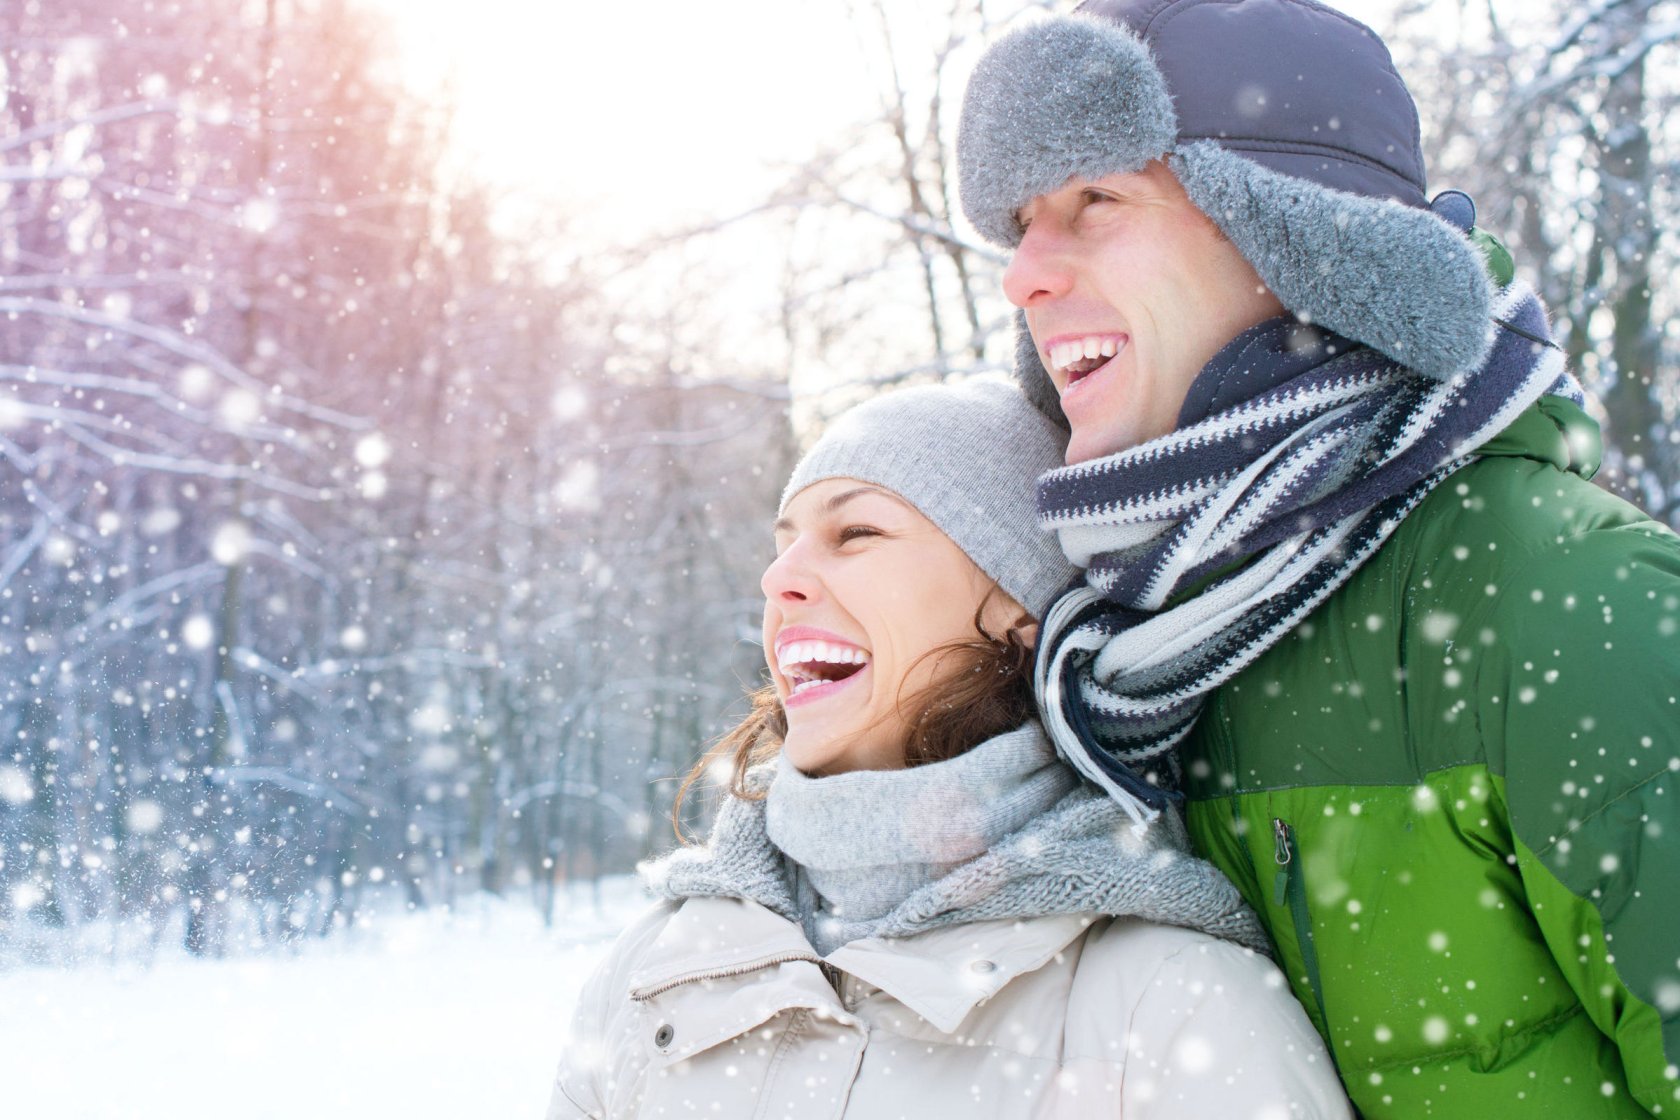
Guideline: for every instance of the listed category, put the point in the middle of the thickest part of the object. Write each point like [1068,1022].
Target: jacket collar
[711,937]
[943,973]
[940,975]
[1555,431]
[722,967]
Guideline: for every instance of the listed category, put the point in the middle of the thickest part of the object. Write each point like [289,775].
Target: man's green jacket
[1453,795]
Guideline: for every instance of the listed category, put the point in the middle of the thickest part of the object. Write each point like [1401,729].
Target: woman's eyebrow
[785,525]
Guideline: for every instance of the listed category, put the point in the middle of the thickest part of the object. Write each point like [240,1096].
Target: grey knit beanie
[1286,123]
[968,456]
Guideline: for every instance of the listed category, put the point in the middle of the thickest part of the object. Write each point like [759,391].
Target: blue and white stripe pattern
[1262,511]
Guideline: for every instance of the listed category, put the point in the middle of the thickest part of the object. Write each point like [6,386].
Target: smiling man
[1128,291]
[1350,598]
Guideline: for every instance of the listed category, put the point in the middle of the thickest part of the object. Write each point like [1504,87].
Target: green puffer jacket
[1453,795]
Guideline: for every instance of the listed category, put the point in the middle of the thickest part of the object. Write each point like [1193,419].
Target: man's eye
[1091,196]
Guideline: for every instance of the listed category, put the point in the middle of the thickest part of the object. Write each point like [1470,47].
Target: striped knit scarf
[1206,546]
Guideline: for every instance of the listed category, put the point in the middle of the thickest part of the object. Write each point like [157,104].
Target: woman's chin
[814,754]
[821,752]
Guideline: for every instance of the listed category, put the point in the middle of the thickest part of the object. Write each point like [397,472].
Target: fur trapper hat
[1286,123]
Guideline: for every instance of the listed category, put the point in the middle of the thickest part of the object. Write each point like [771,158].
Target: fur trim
[1398,279]
[1051,100]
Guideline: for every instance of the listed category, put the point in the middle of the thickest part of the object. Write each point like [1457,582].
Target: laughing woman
[908,906]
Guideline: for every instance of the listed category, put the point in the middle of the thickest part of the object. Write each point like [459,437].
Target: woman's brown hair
[985,691]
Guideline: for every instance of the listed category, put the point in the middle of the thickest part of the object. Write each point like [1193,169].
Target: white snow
[418,1016]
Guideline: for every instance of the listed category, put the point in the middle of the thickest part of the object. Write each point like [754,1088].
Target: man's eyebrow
[784,525]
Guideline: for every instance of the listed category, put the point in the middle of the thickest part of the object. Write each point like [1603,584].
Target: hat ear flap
[1399,279]
[1034,379]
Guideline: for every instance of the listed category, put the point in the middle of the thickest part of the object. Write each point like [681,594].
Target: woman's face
[861,588]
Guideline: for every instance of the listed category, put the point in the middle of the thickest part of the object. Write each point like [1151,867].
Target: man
[1349,593]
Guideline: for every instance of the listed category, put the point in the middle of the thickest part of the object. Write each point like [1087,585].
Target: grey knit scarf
[1078,854]
[865,841]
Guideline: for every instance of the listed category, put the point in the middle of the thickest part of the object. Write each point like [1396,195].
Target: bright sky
[633,119]
[642,112]
[645,115]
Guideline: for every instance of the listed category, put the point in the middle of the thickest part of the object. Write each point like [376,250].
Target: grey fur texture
[1399,279]
[1054,99]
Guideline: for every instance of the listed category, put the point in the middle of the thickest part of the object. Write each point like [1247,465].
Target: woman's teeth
[810,664]
[795,654]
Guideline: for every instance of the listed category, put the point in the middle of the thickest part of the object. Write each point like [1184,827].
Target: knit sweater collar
[865,841]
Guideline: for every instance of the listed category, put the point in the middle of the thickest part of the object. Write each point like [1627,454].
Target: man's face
[1129,290]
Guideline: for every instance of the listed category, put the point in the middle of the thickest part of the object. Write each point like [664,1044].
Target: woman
[908,906]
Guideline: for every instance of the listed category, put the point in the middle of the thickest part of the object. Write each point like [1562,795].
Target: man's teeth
[1067,353]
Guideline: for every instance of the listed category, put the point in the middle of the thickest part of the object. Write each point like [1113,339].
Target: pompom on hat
[1286,123]
[968,456]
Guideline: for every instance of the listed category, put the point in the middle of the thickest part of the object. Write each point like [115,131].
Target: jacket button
[663,1036]
[982,967]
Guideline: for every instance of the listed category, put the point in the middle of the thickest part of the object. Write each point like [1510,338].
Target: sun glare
[638,113]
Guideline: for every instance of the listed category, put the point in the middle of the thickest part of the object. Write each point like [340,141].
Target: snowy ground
[420,1017]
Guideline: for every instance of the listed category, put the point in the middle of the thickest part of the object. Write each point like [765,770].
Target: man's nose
[1039,269]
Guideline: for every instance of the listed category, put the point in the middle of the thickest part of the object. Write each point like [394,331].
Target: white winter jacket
[718,1007]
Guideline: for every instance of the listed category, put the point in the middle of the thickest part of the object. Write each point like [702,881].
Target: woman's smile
[815,664]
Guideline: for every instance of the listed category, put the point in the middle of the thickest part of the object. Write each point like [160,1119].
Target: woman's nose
[1038,270]
[789,578]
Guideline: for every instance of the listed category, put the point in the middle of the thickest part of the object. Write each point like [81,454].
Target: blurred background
[394,395]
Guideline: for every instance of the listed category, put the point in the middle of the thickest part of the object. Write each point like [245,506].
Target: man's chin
[1096,442]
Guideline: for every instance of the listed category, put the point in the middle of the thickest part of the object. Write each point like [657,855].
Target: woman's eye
[856,532]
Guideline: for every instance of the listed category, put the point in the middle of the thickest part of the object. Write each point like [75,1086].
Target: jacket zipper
[726,973]
[1289,886]
[836,980]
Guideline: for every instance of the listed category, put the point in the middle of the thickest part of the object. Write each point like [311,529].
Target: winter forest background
[370,540]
